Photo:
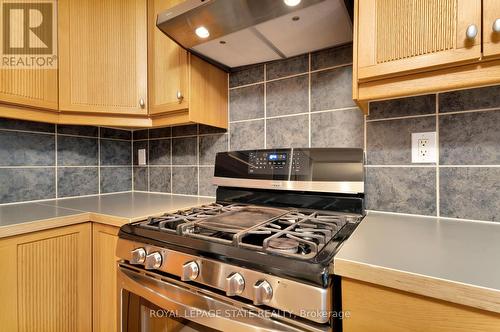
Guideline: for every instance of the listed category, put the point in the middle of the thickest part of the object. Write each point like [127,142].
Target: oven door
[152,302]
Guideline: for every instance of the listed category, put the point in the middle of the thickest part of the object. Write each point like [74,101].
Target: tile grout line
[99,160]
[265,106]
[148,164]
[198,156]
[309,100]
[290,76]
[296,114]
[132,160]
[171,163]
[438,199]
[56,163]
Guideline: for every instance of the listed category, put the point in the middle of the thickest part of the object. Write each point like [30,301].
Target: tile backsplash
[303,101]
[43,161]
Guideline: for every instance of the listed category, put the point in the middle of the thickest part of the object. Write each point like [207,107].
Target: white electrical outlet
[423,147]
[141,156]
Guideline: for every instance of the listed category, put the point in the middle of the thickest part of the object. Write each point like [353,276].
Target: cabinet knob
[471,32]
[142,103]
[179,95]
[496,25]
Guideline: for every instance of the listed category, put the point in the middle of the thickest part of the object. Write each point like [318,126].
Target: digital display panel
[276,157]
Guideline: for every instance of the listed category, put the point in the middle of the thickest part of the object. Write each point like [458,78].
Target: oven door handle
[199,307]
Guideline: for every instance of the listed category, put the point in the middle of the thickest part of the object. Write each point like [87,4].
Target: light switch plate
[141,156]
[423,147]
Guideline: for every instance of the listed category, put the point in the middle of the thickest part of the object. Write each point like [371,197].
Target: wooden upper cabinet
[401,36]
[491,26]
[168,73]
[34,86]
[103,56]
[183,88]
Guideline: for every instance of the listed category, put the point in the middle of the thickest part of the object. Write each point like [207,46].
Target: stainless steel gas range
[259,259]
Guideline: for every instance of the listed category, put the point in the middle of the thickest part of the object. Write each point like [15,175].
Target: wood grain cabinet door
[168,72]
[491,26]
[46,281]
[105,308]
[396,37]
[103,56]
[28,72]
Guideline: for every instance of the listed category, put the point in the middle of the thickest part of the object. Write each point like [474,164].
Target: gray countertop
[131,206]
[113,209]
[461,253]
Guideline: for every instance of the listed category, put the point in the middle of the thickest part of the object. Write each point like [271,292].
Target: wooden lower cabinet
[377,308]
[105,315]
[45,280]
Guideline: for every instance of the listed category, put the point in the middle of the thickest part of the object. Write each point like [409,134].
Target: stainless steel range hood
[243,32]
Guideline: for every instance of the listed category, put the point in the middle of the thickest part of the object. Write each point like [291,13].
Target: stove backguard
[338,170]
[307,178]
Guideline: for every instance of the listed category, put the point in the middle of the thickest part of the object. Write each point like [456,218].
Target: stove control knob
[190,271]
[235,284]
[153,261]
[262,292]
[138,256]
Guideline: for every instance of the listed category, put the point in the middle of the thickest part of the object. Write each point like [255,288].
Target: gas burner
[284,244]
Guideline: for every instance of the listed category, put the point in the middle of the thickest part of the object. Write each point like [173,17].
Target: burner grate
[292,233]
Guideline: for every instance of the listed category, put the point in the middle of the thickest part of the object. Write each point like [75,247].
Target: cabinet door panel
[401,36]
[105,315]
[30,87]
[168,65]
[491,39]
[46,280]
[103,56]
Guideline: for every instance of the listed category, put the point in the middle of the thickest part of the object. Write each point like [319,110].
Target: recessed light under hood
[244,32]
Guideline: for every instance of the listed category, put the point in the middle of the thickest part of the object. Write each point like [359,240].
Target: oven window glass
[140,315]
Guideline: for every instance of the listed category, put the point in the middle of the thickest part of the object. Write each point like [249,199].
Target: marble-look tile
[292,131]
[77,181]
[115,152]
[26,125]
[90,131]
[472,99]
[160,179]
[140,145]
[470,192]
[247,135]
[246,75]
[185,180]
[185,151]
[206,186]
[115,179]
[116,133]
[338,129]
[246,103]
[159,152]
[26,149]
[402,190]
[141,178]
[76,151]
[470,138]
[26,184]
[331,57]
[140,134]
[418,105]
[389,142]
[287,96]
[160,132]
[188,130]
[331,89]
[290,66]
[204,129]
[209,146]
